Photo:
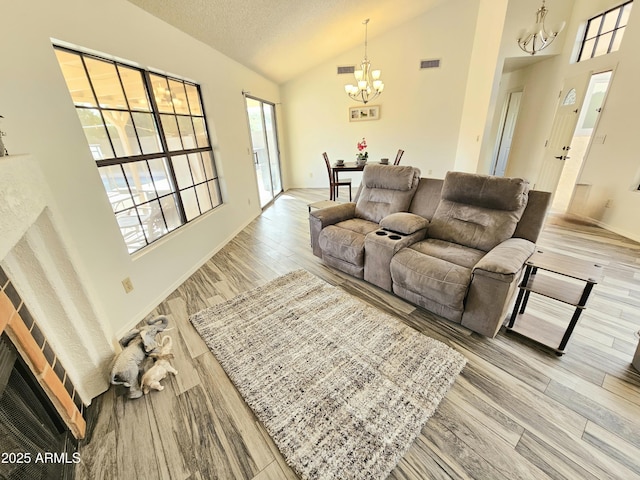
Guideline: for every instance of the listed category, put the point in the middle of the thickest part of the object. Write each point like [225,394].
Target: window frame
[206,189]
[616,29]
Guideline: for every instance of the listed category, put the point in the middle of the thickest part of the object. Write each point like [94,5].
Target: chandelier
[537,37]
[369,85]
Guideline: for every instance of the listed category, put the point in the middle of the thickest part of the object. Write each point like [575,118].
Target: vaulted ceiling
[283,38]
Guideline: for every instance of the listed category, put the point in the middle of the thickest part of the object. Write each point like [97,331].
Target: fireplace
[34,441]
[63,346]
[18,326]
[40,413]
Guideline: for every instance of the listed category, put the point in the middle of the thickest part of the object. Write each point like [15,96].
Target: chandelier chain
[366,31]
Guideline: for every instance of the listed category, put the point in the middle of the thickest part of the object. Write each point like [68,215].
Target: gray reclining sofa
[456,246]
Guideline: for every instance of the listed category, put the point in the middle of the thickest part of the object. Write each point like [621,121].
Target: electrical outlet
[127,284]
[608,204]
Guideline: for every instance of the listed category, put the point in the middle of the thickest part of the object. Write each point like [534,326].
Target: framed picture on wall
[367,112]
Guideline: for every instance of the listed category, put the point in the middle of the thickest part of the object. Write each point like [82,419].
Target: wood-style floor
[517,411]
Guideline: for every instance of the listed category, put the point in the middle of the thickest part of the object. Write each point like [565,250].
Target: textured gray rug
[342,388]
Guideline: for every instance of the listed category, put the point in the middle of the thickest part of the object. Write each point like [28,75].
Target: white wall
[542,83]
[540,78]
[421,110]
[40,120]
[611,169]
[484,65]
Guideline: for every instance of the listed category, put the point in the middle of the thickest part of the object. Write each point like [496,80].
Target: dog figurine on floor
[160,369]
[136,346]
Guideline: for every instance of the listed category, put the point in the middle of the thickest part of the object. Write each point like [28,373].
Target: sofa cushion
[435,279]
[427,197]
[478,211]
[451,252]
[345,240]
[390,177]
[386,189]
[496,193]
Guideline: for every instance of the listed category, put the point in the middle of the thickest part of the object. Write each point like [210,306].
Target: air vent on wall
[346,69]
[430,63]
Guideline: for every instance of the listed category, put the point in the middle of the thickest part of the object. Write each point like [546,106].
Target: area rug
[342,387]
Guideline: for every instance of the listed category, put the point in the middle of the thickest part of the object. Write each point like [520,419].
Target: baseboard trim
[604,225]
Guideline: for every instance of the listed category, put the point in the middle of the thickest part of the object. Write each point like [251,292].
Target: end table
[557,288]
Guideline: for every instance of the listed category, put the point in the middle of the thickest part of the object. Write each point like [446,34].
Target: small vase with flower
[363,155]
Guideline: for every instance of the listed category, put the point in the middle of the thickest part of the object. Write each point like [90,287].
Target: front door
[564,124]
[580,144]
[266,155]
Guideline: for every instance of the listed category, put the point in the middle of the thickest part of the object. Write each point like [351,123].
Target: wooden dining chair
[398,157]
[334,182]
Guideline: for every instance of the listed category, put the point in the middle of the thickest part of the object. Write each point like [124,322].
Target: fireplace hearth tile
[59,369]
[37,335]
[78,401]
[13,295]
[68,386]
[25,314]
[48,353]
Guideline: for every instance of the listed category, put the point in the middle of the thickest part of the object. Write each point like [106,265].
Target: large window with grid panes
[604,32]
[147,133]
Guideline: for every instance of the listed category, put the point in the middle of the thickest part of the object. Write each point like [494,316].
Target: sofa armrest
[404,222]
[332,215]
[505,260]
[319,219]
[493,285]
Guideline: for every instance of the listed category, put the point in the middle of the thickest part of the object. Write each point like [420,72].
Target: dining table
[347,167]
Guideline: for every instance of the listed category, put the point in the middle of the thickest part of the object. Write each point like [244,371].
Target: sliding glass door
[266,155]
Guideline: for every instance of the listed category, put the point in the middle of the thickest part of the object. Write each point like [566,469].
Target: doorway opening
[505,134]
[266,154]
[581,140]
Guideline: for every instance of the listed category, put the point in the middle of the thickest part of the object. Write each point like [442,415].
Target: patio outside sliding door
[266,155]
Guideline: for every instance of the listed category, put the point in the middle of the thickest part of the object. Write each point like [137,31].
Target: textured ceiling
[283,38]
